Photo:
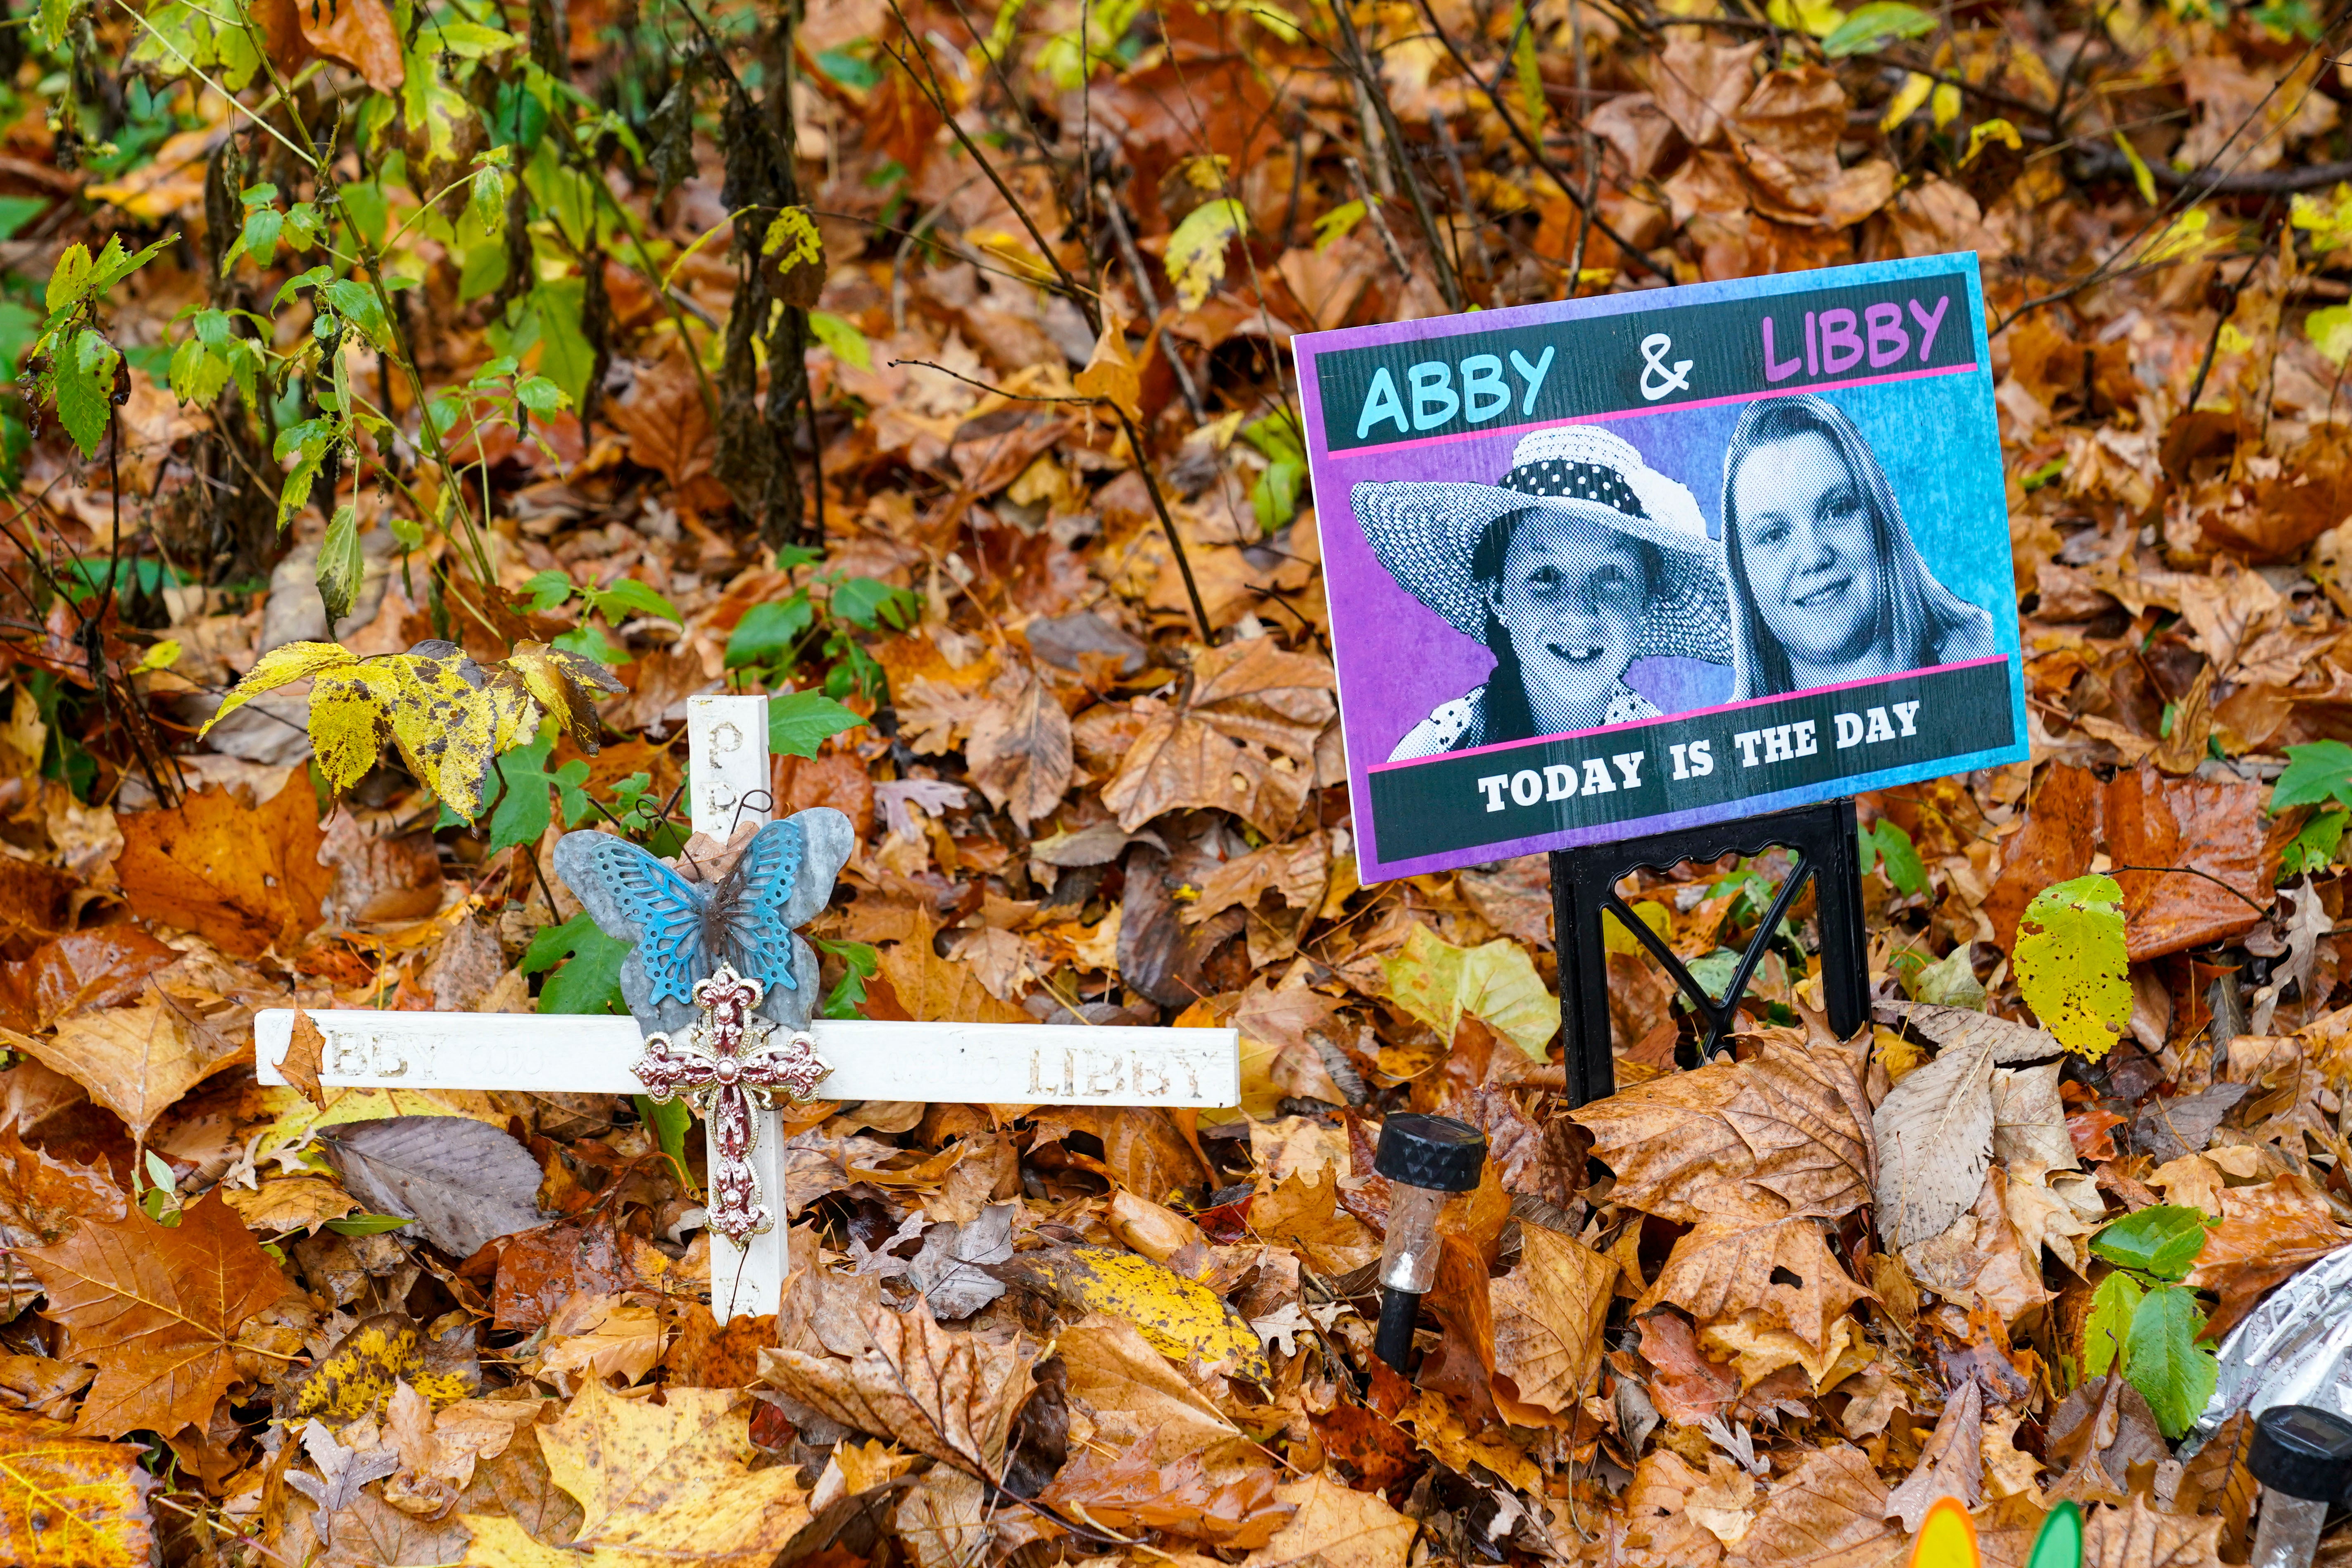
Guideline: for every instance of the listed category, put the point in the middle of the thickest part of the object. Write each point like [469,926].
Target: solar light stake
[1429,1161]
[2303,1456]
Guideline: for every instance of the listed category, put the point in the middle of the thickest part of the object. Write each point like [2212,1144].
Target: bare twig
[1448,285]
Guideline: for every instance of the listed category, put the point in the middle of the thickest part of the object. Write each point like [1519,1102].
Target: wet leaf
[157,1308]
[357,1377]
[1184,1320]
[1128,1492]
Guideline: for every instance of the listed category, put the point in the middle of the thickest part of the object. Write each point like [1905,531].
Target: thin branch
[1448,284]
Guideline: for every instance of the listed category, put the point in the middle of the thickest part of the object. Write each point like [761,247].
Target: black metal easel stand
[1584,886]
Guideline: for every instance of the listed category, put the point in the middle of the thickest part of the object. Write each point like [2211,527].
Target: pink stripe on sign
[1688,714]
[1638,412]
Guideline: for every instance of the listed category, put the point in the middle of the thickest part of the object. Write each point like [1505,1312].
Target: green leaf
[15,211]
[2071,966]
[1886,841]
[198,374]
[2162,1240]
[548,590]
[2313,848]
[669,1119]
[2109,1325]
[868,603]
[767,631]
[1950,982]
[366,1224]
[800,721]
[523,813]
[615,602]
[590,979]
[1867,27]
[85,389]
[50,21]
[2163,1360]
[859,964]
[564,356]
[2319,771]
[848,343]
[342,567]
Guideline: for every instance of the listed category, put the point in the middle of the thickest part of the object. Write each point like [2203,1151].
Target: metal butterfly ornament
[720,982]
[683,930]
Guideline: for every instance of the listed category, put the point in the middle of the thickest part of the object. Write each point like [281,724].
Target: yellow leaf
[1616,938]
[298,1120]
[1495,983]
[670,1482]
[66,1500]
[162,656]
[1196,251]
[1946,107]
[1549,1311]
[281,666]
[1988,131]
[556,679]
[1182,1319]
[1907,100]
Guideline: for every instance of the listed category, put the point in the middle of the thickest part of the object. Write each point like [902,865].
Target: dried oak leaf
[1305,1216]
[1131,1392]
[138,1061]
[1243,742]
[933,989]
[1787,1133]
[243,880]
[1549,1313]
[1782,1269]
[106,968]
[64,1500]
[901,1376]
[1336,1528]
[1020,749]
[1830,1512]
[1952,1465]
[1652,1526]
[669,1482]
[157,1308]
[2136,1536]
[1129,1492]
[43,1197]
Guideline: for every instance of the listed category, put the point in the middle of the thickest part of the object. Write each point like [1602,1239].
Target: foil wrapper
[2294,1349]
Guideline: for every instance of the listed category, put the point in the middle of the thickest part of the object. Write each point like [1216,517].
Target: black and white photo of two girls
[1581,559]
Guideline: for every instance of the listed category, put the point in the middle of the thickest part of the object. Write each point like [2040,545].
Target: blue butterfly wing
[634,897]
[758,909]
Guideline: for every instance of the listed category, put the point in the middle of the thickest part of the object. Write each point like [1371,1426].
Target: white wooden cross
[978,1063]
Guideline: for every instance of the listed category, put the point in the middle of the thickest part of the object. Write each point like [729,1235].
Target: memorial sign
[1645,561]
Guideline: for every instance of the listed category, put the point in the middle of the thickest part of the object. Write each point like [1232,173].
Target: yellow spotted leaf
[1495,983]
[278,667]
[445,727]
[1182,1319]
[66,1499]
[357,1377]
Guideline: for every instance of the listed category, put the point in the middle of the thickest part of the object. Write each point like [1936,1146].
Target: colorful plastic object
[2060,1544]
[1946,1538]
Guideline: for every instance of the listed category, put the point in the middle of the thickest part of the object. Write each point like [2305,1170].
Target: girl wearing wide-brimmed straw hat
[1579,560]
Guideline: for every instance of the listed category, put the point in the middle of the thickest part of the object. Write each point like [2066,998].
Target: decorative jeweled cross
[727,1064]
